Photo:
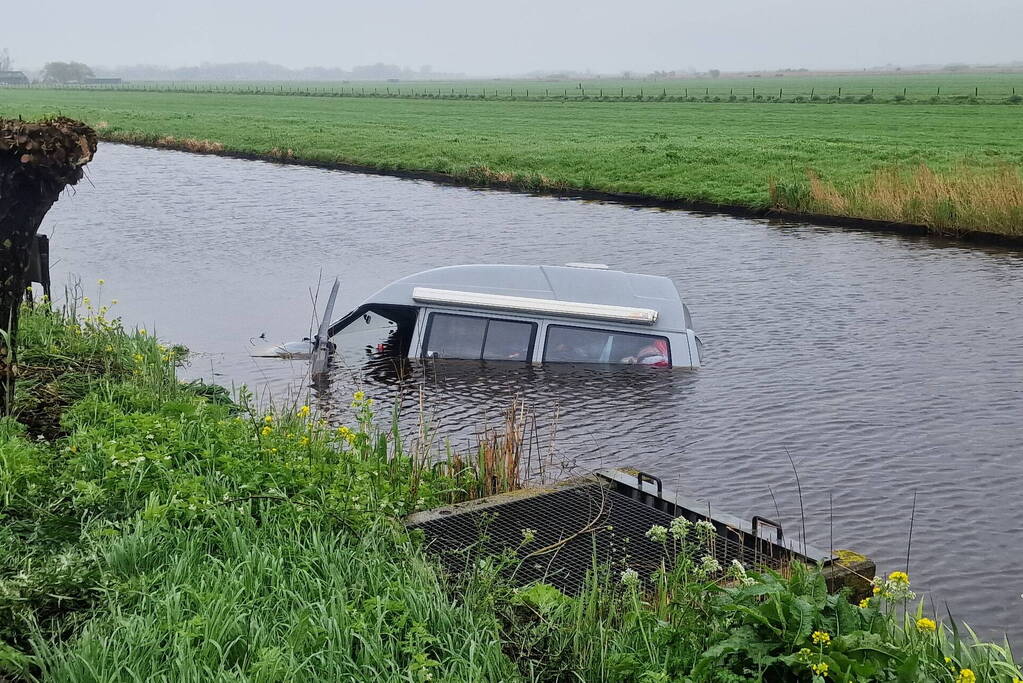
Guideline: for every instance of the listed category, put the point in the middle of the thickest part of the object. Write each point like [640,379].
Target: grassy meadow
[156,530]
[809,158]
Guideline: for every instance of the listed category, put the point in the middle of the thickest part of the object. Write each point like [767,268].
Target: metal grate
[577,528]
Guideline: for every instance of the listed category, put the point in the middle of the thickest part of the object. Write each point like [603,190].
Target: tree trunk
[37,161]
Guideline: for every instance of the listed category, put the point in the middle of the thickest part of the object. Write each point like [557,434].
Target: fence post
[976,92]
[622,94]
[754,92]
[779,93]
[811,93]
[904,92]
[839,92]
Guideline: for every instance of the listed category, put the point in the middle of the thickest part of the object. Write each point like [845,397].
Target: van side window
[471,338]
[584,345]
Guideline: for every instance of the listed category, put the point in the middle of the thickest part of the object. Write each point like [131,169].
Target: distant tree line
[65,72]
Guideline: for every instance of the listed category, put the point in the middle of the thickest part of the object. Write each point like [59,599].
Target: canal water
[884,365]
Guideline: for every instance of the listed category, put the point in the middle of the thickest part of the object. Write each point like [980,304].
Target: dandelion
[267,430]
[821,638]
[865,603]
[821,668]
[630,578]
[528,536]
[925,624]
[966,676]
[657,533]
[303,411]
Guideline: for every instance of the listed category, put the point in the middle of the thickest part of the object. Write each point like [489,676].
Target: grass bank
[155,530]
[706,155]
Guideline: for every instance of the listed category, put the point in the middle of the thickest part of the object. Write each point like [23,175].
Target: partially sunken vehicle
[578,313]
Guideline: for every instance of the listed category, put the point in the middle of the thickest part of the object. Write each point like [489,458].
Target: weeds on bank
[697,621]
[965,198]
[164,531]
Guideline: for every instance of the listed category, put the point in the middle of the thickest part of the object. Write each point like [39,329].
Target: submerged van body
[538,314]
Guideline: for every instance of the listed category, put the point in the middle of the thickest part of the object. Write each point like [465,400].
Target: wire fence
[955,94]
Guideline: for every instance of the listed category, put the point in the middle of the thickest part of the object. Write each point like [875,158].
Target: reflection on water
[885,365]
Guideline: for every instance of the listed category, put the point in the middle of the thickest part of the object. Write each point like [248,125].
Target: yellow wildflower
[113,302]
[86,300]
[303,411]
[966,676]
[865,603]
[267,430]
[138,358]
[821,638]
[877,589]
[899,577]
[359,395]
[925,624]
[821,669]
[142,331]
[109,348]
[304,441]
[101,281]
[268,419]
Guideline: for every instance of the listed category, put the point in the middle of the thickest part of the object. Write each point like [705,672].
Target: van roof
[558,283]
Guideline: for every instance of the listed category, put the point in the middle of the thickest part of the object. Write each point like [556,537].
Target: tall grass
[154,529]
[964,198]
[284,597]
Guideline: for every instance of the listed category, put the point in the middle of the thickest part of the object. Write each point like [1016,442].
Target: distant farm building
[13,78]
[102,81]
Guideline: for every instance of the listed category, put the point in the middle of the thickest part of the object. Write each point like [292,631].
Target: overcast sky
[495,38]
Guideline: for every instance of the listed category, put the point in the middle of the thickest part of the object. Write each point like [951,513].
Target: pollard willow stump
[37,161]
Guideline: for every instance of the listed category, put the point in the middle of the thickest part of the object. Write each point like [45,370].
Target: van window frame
[530,350]
[605,330]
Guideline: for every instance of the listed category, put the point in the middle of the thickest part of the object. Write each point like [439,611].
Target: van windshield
[585,345]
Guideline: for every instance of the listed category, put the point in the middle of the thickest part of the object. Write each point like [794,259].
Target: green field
[728,153]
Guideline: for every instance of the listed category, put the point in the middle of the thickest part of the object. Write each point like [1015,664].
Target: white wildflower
[630,578]
[709,565]
[657,533]
[680,527]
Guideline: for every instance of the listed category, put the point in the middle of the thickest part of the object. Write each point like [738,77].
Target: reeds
[965,198]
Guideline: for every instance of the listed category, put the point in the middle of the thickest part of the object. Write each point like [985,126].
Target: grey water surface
[884,364]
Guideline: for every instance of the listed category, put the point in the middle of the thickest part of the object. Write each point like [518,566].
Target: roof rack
[623,314]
